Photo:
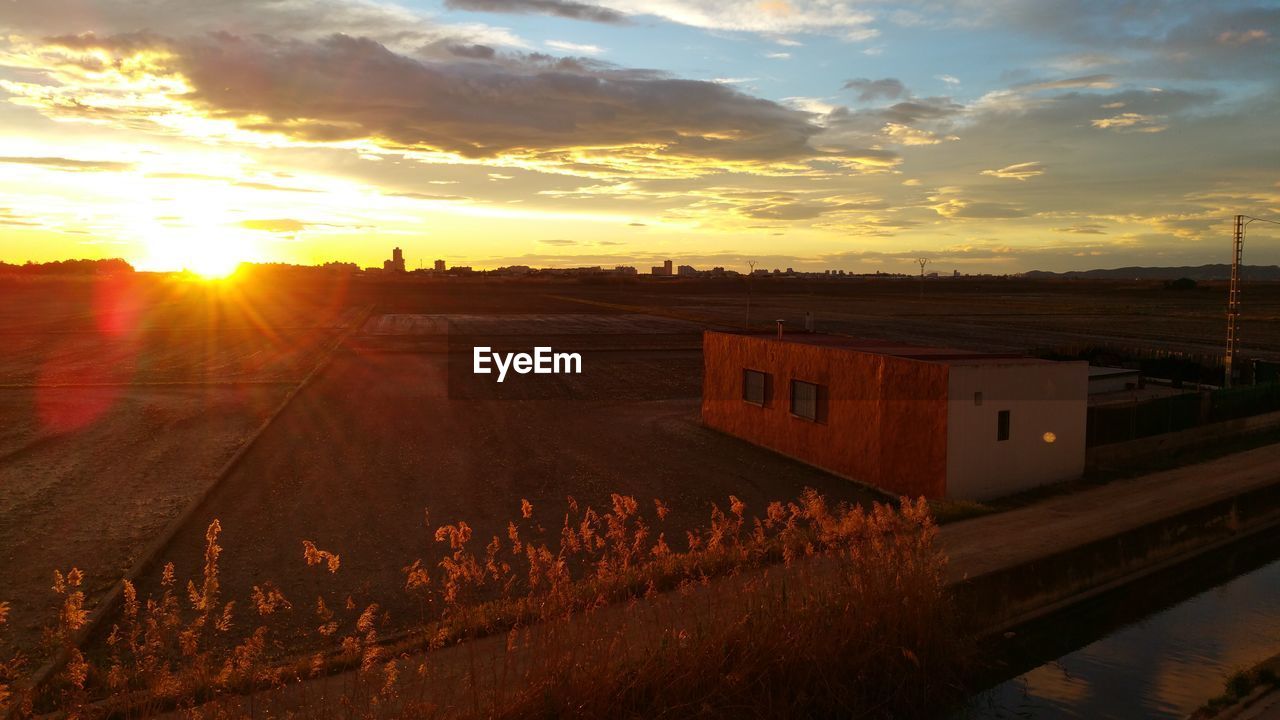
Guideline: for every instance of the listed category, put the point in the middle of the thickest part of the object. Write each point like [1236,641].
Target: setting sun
[214,265]
[211,253]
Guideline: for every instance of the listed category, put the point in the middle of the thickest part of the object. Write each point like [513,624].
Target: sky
[988,135]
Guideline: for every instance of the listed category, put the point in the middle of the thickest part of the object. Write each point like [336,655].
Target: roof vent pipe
[780,328]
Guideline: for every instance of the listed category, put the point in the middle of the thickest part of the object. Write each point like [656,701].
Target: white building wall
[1041,398]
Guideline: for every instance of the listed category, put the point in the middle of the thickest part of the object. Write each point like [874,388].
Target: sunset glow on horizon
[992,137]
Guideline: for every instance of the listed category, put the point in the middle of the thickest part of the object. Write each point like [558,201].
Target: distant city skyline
[995,137]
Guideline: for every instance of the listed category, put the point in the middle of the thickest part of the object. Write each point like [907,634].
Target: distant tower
[1233,302]
[666,267]
[440,266]
[923,261]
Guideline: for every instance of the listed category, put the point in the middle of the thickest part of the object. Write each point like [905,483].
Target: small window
[1002,426]
[804,399]
[755,387]
[977,398]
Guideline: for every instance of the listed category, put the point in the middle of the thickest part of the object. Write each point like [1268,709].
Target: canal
[1157,648]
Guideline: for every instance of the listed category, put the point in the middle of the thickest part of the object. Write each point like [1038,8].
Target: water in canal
[1157,649]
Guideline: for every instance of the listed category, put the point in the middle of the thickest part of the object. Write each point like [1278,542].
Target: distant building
[915,421]
[663,270]
[686,271]
[396,263]
[624,270]
[440,266]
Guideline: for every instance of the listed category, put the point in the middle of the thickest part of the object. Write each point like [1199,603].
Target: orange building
[914,421]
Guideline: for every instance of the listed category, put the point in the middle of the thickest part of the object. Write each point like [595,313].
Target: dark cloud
[847,128]
[1083,229]
[62,163]
[884,88]
[559,242]
[911,112]
[1083,81]
[1164,38]
[344,88]
[474,52]
[559,8]
[174,18]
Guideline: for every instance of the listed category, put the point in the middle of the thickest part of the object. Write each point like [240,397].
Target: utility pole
[923,261]
[1233,296]
[1233,303]
[751,271]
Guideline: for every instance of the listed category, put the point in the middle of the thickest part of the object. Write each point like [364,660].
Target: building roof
[894,348]
[1099,372]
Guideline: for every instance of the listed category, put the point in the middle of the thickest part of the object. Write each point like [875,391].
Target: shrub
[808,610]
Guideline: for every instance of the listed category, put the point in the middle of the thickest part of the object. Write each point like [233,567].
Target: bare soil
[101,442]
[94,496]
[358,461]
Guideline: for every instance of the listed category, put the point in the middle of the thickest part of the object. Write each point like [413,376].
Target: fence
[1120,423]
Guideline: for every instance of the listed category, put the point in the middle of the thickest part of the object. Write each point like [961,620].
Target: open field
[120,402]
[392,430]
[94,496]
[1004,315]
[381,440]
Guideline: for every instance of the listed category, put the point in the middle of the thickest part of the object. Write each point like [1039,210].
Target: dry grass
[807,610]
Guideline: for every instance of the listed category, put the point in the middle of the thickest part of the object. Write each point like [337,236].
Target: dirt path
[993,542]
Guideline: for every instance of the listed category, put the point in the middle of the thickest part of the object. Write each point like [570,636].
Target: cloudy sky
[990,135]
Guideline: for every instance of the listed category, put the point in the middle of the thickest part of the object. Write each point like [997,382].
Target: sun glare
[214,265]
[191,227]
[208,257]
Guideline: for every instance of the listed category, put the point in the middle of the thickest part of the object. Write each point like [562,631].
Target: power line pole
[751,271]
[1233,297]
[923,261]
[1233,304]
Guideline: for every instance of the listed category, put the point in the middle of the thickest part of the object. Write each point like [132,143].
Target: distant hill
[1200,272]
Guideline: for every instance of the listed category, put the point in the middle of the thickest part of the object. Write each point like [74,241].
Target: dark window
[755,387]
[1002,426]
[977,398]
[804,399]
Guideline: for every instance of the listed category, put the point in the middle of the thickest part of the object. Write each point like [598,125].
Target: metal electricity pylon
[1233,295]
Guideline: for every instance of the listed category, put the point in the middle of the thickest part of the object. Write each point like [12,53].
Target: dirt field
[118,401]
[357,461]
[94,496]
[1003,315]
